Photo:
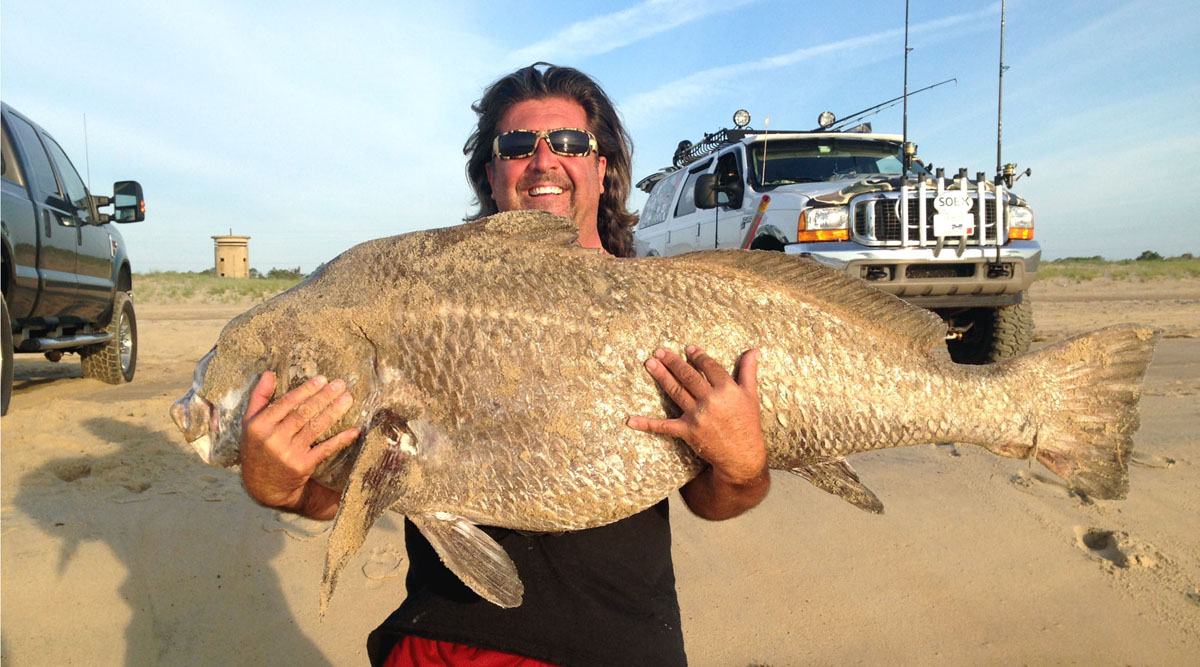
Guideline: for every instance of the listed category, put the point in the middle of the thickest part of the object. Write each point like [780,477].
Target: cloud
[602,34]
[692,89]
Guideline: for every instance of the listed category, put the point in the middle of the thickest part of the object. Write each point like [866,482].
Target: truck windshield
[824,159]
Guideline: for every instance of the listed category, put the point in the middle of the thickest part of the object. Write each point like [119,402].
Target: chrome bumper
[981,276]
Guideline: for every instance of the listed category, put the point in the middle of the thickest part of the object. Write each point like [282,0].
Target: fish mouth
[199,421]
[196,417]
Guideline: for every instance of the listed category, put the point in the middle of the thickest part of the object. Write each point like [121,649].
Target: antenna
[86,157]
[1000,96]
[766,136]
[906,50]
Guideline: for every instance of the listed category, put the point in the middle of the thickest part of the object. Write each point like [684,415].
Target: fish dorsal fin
[471,554]
[833,291]
[837,477]
[529,226]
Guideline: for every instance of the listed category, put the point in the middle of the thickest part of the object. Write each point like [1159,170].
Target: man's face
[568,186]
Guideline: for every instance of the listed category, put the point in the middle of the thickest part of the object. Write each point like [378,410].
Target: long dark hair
[614,223]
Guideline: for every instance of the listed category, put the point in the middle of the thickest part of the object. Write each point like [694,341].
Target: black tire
[996,334]
[1012,332]
[114,362]
[6,366]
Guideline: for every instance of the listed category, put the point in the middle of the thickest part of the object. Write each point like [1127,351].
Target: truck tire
[1012,330]
[114,362]
[6,366]
[996,334]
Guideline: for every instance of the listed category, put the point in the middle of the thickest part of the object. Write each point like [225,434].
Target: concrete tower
[232,256]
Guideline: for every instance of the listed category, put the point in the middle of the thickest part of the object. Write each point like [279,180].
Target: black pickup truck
[66,277]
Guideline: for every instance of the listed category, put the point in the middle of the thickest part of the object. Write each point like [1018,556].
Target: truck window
[789,161]
[72,183]
[687,200]
[659,204]
[12,168]
[729,173]
[36,159]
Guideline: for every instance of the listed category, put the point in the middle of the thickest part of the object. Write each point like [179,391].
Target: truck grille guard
[875,218]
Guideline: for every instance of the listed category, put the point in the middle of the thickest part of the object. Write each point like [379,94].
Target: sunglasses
[566,141]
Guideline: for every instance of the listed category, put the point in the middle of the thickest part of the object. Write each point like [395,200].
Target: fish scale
[493,366]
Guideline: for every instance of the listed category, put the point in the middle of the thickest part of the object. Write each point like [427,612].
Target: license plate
[953,217]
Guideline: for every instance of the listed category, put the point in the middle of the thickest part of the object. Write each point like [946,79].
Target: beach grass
[165,287]
[1078,269]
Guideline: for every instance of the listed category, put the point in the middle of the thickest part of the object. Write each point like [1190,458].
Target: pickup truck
[67,284]
[958,247]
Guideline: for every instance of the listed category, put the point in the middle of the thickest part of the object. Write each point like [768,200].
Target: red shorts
[419,652]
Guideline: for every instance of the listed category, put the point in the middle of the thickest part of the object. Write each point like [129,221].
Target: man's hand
[278,452]
[721,422]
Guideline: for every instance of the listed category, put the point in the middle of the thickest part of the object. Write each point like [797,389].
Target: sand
[118,546]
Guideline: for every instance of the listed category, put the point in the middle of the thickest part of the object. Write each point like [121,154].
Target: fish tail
[1088,408]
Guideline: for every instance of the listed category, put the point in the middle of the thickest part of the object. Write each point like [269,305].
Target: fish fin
[471,554]
[838,478]
[834,291]
[1085,434]
[375,483]
[532,226]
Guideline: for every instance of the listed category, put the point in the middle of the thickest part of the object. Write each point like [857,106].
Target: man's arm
[721,422]
[279,450]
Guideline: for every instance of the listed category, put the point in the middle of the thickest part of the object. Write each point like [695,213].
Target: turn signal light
[808,236]
[1020,233]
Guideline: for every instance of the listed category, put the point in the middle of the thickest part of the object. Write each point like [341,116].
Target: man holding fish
[548,138]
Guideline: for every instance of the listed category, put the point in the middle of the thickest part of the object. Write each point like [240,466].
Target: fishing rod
[842,122]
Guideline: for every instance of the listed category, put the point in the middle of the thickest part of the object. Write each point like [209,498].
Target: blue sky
[312,127]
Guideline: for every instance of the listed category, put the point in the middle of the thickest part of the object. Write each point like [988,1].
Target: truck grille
[875,219]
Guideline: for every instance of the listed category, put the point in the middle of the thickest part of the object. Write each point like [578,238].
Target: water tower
[232,256]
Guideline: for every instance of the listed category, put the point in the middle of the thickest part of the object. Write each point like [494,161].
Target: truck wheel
[996,334]
[6,366]
[1012,331]
[115,361]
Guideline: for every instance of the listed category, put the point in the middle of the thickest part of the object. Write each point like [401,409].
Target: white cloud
[691,89]
[602,34]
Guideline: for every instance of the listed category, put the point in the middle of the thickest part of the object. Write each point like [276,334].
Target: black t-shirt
[602,596]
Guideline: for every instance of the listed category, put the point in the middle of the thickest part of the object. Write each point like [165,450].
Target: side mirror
[128,202]
[705,195]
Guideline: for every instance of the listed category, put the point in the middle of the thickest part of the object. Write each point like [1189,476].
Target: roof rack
[687,152]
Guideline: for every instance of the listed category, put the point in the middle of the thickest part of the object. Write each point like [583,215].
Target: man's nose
[542,156]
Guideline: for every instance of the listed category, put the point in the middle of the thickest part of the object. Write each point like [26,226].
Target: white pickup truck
[962,248]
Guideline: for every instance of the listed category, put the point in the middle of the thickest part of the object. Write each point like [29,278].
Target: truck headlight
[1020,222]
[830,223]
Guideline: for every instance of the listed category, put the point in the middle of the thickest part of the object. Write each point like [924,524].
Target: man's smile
[545,190]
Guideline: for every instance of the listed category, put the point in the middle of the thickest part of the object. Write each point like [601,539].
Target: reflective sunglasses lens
[569,142]
[516,144]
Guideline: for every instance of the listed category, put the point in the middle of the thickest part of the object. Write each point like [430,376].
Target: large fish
[493,366]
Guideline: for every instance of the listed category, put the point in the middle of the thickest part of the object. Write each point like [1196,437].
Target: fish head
[295,347]
[205,426]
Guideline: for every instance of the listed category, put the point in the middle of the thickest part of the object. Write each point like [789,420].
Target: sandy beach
[119,546]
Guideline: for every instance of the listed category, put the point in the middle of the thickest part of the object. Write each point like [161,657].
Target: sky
[313,126]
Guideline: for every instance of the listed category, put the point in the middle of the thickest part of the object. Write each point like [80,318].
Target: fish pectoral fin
[376,482]
[471,554]
[838,478]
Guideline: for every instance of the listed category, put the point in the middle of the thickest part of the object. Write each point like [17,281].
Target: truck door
[729,215]
[685,228]
[56,225]
[727,224]
[94,251]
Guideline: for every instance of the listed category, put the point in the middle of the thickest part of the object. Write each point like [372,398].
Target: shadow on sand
[199,581]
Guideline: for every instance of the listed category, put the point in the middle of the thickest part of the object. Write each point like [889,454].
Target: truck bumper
[987,276]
